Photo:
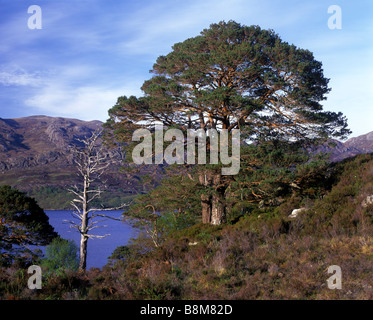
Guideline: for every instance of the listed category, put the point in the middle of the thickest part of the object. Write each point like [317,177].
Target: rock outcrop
[367,201]
[296,212]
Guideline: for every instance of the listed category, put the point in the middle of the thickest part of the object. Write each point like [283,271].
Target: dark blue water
[98,249]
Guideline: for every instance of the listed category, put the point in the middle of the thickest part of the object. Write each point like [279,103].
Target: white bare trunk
[91,164]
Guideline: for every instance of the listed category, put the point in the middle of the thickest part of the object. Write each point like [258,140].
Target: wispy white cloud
[65,94]
[87,103]
[17,76]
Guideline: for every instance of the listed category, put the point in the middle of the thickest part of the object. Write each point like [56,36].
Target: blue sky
[90,52]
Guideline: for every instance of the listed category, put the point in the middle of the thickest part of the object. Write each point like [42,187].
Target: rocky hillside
[363,143]
[36,156]
[350,148]
[39,140]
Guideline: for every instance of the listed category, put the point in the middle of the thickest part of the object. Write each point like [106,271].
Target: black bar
[186,309]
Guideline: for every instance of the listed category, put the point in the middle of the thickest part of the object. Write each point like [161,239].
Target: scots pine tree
[231,76]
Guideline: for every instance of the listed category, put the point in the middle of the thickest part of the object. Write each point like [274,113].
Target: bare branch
[95,227]
[96,236]
[109,209]
[77,209]
[77,194]
[73,225]
[105,216]
[77,215]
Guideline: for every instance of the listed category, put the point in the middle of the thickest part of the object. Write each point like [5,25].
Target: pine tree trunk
[206,208]
[206,180]
[218,212]
[212,201]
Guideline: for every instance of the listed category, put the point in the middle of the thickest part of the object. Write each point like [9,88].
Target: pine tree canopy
[234,76]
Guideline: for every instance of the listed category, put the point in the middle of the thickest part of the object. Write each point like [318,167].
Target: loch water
[98,249]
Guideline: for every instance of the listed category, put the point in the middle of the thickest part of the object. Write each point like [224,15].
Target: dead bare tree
[91,163]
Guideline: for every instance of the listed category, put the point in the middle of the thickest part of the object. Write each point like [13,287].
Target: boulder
[193,243]
[367,201]
[295,212]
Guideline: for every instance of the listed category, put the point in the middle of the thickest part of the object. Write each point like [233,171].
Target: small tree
[91,162]
[22,223]
[61,255]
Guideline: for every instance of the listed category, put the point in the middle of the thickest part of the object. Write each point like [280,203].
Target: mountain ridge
[349,148]
[36,156]
[33,135]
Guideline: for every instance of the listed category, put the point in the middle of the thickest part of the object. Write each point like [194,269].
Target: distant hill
[352,147]
[39,140]
[36,157]
[363,143]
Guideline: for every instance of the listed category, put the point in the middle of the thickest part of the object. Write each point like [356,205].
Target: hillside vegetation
[260,253]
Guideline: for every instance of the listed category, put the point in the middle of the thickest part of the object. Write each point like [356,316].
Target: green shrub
[61,255]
